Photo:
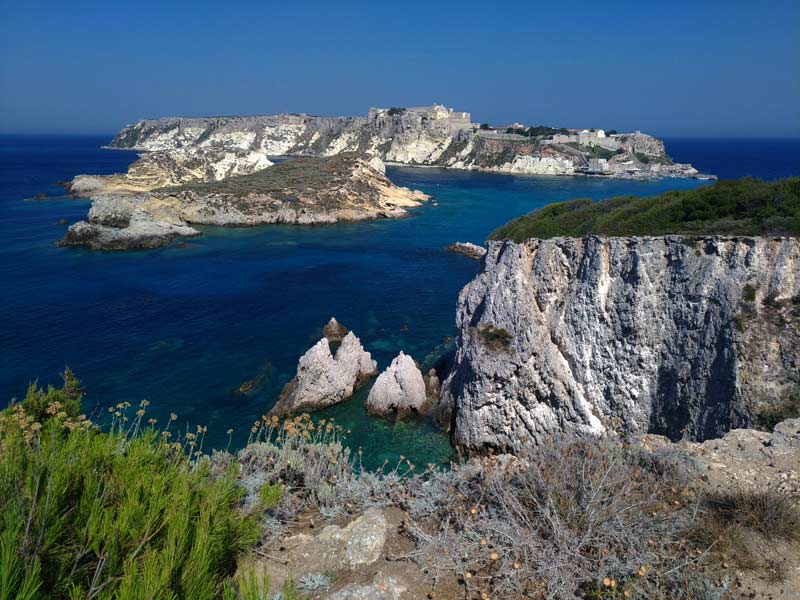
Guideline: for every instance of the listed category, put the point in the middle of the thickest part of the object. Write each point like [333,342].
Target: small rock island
[128,214]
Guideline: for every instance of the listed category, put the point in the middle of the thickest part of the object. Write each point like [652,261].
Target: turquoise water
[185,326]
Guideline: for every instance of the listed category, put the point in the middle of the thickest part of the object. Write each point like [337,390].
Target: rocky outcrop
[172,167]
[323,379]
[346,187]
[742,458]
[399,389]
[468,249]
[334,331]
[128,222]
[684,337]
[430,135]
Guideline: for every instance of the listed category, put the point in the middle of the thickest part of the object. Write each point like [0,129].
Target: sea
[187,326]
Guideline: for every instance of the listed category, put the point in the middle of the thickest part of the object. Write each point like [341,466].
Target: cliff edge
[674,335]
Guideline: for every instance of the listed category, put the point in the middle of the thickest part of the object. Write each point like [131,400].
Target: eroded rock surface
[323,379]
[673,335]
[400,388]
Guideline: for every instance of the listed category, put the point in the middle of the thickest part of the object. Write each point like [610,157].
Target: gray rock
[673,335]
[383,587]
[468,249]
[400,388]
[323,379]
[334,331]
[335,548]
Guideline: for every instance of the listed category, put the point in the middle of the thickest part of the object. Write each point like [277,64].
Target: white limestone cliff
[670,335]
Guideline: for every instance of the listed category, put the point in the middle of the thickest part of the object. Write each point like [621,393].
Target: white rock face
[399,388]
[406,136]
[323,379]
[540,165]
[670,335]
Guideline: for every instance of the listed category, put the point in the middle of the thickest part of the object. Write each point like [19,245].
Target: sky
[700,68]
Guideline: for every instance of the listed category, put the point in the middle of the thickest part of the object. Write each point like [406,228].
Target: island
[434,136]
[127,213]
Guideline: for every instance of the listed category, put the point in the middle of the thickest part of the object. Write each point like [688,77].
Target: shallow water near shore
[189,325]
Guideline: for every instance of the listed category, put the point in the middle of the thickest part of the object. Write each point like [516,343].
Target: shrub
[787,408]
[118,514]
[742,207]
[559,520]
[494,338]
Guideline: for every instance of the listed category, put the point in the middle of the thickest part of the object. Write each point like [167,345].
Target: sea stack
[323,379]
[400,389]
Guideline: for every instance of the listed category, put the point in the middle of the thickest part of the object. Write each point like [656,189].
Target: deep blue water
[184,327]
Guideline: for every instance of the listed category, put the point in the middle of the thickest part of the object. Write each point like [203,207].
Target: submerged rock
[468,249]
[323,379]
[400,388]
[334,331]
[673,335]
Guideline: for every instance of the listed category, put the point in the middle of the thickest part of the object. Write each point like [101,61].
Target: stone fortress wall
[435,118]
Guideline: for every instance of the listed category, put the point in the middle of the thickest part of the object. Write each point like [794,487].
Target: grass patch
[283,180]
[739,207]
[733,523]
[494,338]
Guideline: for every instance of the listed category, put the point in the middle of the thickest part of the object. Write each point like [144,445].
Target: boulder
[399,388]
[323,379]
[334,331]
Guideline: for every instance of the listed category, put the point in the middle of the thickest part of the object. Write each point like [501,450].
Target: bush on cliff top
[745,206]
[125,513]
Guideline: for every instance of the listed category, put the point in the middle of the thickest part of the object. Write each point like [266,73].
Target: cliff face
[669,335]
[430,136]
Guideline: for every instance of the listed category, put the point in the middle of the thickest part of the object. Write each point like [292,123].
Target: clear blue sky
[700,68]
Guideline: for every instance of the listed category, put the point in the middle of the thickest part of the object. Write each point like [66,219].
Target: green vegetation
[538,131]
[135,512]
[787,408]
[739,207]
[642,158]
[485,126]
[494,338]
[282,181]
[125,513]
[395,110]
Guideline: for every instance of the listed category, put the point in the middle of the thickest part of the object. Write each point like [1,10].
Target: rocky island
[418,136]
[132,211]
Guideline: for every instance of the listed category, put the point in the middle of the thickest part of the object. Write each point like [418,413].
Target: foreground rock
[323,380]
[468,249]
[399,389]
[671,335]
[742,458]
[346,187]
